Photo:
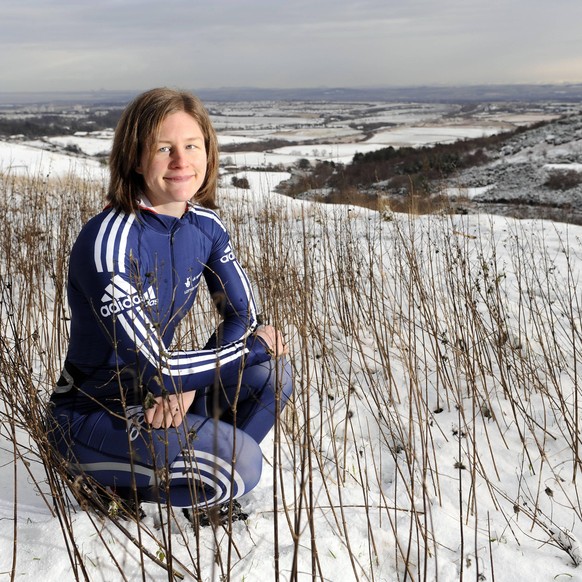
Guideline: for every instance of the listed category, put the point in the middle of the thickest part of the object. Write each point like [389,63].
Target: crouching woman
[176,426]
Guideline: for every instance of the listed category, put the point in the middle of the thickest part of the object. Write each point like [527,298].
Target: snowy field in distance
[315,131]
[33,160]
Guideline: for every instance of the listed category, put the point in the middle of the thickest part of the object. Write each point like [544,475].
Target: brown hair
[137,132]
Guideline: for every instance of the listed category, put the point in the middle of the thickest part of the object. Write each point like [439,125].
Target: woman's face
[177,168]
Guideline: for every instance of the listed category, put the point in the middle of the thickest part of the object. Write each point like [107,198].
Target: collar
[145,204]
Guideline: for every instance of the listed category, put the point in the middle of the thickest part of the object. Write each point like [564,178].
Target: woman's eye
[164,149]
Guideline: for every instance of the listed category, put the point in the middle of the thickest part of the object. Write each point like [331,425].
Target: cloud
[134,44]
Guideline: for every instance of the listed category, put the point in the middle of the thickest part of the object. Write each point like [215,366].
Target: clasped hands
[170,410]
[167,411]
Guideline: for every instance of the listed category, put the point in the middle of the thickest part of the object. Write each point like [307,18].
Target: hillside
[535,173]
[531,171]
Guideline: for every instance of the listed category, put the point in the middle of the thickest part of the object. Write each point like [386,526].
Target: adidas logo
[120,296]
[228,255]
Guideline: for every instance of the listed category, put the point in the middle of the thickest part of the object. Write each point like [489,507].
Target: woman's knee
[249,461]
[277,375]
[234,453]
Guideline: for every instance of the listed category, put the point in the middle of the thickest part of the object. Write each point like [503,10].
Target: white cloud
[127,44]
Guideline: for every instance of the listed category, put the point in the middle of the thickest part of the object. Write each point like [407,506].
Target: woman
[176,426]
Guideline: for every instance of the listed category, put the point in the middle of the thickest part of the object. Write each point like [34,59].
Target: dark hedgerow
[563,179]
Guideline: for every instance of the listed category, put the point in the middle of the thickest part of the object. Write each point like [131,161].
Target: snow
[418,136]
[500,540]
[342,150]
[288,155]
[20,159]
[259,182]
[226,139]
[564,167]
[468,192]
[236,128]
[89,145]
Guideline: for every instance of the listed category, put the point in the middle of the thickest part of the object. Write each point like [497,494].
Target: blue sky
[72,45]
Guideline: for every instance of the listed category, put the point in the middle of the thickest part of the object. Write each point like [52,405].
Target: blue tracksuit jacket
[132,279]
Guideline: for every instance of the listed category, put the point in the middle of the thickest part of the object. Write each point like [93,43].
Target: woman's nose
[178,158]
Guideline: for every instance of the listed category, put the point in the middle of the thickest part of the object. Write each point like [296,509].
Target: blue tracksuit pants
[214,455]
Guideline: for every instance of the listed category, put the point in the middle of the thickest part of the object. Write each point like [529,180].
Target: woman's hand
[273,339]
[169,411]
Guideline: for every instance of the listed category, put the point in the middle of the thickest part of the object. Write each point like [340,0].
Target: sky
[68,45]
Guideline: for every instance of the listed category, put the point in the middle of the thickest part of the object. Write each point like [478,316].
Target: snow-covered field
[338,130]
[436,411]
[28,157]
[34,160]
